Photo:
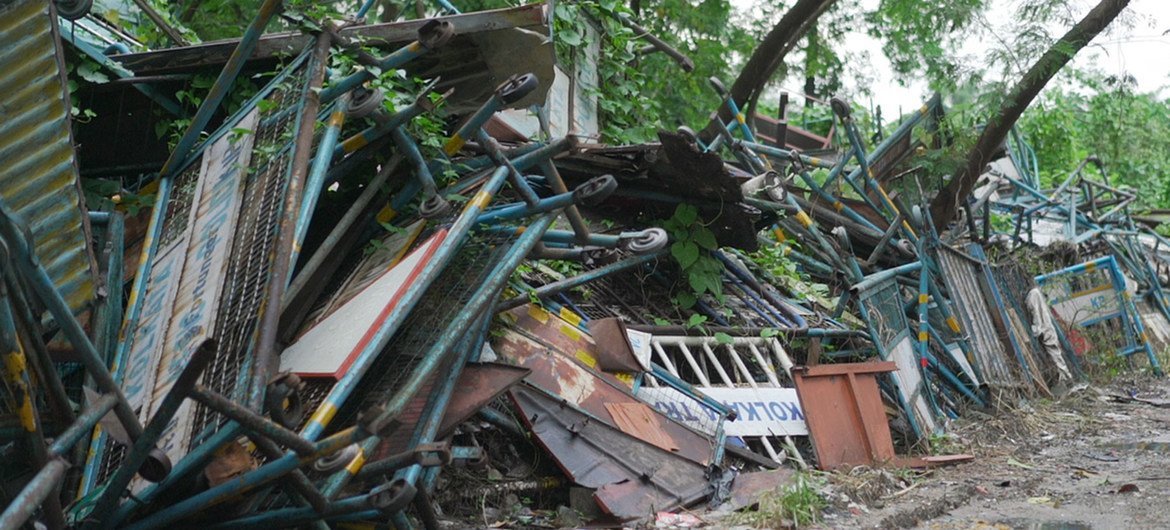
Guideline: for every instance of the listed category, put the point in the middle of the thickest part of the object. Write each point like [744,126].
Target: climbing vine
[692,247]
[625,114]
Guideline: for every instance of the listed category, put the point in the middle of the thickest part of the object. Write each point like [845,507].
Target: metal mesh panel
[1088,300]
[1014,286]
[445,297]
[179,205]
[883,309]
[694,414]
[251,258]
[631,295]
[174,224]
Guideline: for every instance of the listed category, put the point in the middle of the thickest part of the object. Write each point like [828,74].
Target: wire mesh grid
[632,295]
[254,249]
[883,309]
[678,406]
[179,205]
[451,291]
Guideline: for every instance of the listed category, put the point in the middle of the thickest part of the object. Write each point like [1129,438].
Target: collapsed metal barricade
[326,390]
[1094,294]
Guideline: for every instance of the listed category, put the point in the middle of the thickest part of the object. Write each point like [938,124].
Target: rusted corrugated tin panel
[38,172]
[962,279]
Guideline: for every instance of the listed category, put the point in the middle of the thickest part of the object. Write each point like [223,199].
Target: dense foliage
[1108,117]
[641,91]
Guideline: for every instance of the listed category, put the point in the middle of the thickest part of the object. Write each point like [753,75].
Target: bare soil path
[1084,461]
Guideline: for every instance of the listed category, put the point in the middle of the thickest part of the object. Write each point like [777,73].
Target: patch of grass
[942,444]
[791,506]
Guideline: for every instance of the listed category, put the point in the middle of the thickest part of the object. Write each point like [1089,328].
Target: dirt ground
[1086,460]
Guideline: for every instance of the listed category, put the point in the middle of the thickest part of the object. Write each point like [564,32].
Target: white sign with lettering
[759,411]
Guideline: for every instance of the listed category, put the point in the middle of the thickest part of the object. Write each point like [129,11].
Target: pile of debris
[324,324]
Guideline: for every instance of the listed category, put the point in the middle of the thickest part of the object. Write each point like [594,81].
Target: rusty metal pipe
[253,422]
[571,213]
[35,493]
[12,233]
[278,278]
[398,461]
[38,354]
[683,61]
[308,283]
[144,445]
[300,485]
[560,286]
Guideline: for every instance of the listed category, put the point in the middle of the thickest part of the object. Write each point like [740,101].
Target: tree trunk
[811,50]
[769,55]
[944,207]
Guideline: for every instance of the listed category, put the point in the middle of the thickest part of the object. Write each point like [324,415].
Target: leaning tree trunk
[768,56]
[943,208]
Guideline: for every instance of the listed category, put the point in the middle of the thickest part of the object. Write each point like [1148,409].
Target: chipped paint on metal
[39,178]
[206,246]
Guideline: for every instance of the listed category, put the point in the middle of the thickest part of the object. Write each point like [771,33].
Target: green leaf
[698,281]
[768,333]
[696,320]
[706,238]
[686,214]
[570,36]
[92,72]
[685,299]
[723,338]
[685,253]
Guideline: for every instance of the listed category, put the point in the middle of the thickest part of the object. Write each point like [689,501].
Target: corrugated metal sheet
[38,173]
[962,279]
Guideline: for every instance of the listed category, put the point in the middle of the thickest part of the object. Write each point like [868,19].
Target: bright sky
[1142,51]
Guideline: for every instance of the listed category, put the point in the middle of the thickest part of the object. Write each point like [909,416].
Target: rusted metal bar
[14,235]
[143,448]
[23,399]
[266,356]
[394,462]
[560,286]
[42,486]
[683,61]
[433,34]
[571,213]
[298,484]
[454,335]
[310,281]
[38,352]
[496,153]
[426,510]
[159,21]
[315,181]
[252,421]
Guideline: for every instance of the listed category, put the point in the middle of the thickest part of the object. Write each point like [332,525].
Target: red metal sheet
[478,385]
[843,408]
[632,478]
